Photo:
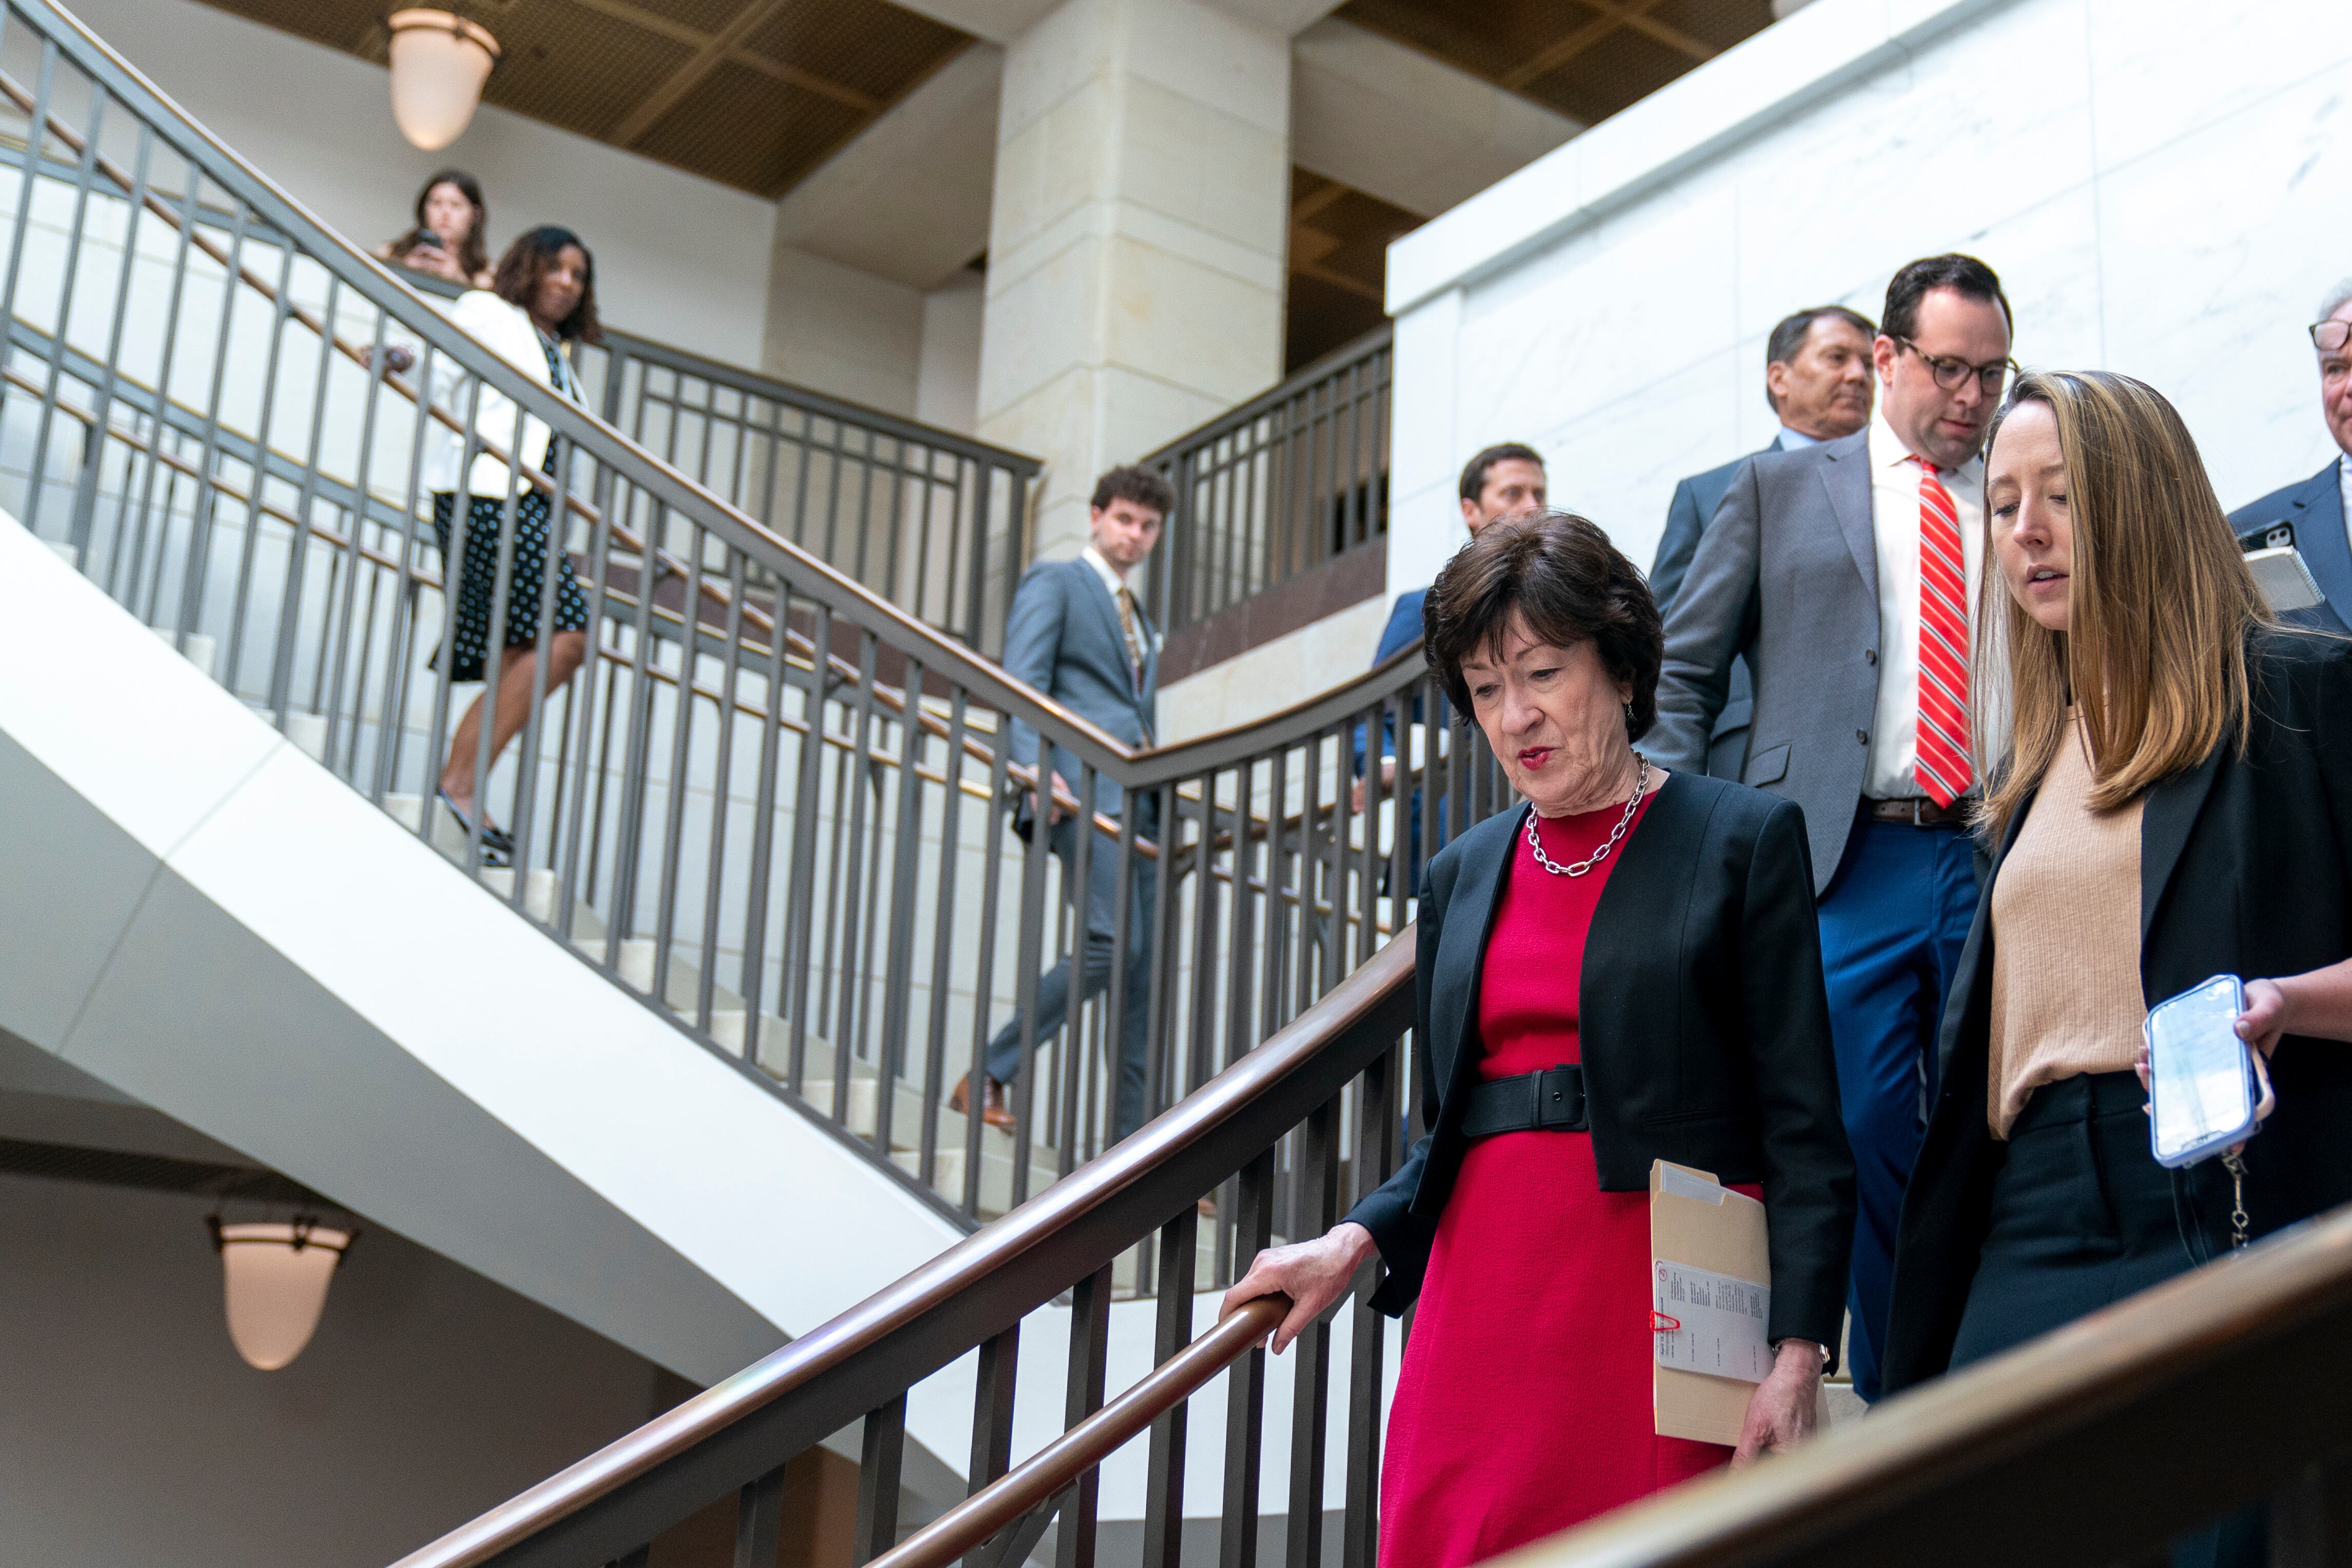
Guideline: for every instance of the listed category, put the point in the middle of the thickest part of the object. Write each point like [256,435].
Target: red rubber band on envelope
[1662,1324]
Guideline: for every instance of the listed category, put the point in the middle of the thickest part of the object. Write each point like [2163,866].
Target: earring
[1628,715]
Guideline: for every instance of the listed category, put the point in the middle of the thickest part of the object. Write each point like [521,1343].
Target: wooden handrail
[2243,1367]
[984,1272]
[1037,1481]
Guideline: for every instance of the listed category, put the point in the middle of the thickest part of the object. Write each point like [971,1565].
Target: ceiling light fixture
[439,61]
[273,1277]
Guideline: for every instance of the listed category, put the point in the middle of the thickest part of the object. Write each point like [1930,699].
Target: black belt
[1550,1102]
[1916,812]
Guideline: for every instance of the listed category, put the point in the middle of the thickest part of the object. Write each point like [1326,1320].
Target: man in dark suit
[1817,376]
[1846,574]
[1078,633]
[2310,514]
[1504,480]
[1501,481]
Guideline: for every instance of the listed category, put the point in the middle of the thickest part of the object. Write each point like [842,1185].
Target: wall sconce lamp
[439,62]
[275,1275]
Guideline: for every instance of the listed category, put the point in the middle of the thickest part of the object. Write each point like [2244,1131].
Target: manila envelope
[1725,1236]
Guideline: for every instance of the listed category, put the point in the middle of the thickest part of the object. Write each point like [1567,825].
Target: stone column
[1135,258]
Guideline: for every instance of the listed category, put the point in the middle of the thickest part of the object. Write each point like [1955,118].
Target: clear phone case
[2202,1090]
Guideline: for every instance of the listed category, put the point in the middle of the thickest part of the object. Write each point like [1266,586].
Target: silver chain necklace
[1641,788]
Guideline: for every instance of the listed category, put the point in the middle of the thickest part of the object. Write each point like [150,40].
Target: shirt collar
[1110,579]
[1796,440]
[1889,450]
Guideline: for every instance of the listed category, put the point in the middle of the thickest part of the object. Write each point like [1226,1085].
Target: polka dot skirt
[474,597]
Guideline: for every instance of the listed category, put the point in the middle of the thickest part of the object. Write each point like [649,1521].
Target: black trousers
[2082,1216]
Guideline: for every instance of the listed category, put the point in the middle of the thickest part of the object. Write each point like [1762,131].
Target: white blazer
[506,331]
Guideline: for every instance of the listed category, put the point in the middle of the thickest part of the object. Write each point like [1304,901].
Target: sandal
[497,844]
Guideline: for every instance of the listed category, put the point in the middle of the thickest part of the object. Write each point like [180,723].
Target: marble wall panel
[2154,180]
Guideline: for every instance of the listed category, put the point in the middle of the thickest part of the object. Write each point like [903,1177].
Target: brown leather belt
[1919,812]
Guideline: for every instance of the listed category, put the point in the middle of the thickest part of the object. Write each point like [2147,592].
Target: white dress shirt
[1894,523]
[2343,490]
[1117,585]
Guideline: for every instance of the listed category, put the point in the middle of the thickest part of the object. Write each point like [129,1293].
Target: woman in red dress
[1626,968]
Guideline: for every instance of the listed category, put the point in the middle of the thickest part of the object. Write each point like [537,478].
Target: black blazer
[1705,1026]
[2245,869]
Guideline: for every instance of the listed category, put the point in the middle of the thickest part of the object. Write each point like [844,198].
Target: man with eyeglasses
[1846,574]
[2310,514]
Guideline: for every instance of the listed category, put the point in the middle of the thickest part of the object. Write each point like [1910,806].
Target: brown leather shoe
[993,1109]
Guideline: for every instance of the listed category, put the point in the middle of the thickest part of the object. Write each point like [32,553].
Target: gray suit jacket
[1787,577]
[1062,637]
[1687,515]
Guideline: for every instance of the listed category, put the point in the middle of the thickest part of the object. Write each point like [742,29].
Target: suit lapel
[1846,477]
[1469,923]
[2165,822]
[2319,519]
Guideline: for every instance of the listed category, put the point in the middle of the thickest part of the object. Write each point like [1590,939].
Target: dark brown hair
[532,254]
[1143,487]
[1963,275]
[1473,472]
[1561,574]
[473,255]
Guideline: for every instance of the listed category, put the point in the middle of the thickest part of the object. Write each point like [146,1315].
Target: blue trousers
[1894,919]
[1054,1002]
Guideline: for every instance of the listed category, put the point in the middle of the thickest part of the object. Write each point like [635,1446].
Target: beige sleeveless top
[2065,922]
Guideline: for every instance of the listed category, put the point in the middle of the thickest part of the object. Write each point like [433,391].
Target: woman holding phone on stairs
[2175,803]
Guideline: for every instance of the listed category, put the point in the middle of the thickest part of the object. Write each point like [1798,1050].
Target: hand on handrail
[1313,1274]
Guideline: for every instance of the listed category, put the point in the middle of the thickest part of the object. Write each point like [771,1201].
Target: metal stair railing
[1284,484]
[774,805]
[1306,1123]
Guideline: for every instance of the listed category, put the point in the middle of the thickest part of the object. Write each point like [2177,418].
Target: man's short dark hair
[1789,337]
[1144,487]
[1560,572]
[1964,275]
[1473,472]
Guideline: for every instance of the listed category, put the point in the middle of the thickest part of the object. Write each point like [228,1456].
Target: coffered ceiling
[1586,59]
[753,93]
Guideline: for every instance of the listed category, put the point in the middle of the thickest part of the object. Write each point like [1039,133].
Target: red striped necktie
[1943,747]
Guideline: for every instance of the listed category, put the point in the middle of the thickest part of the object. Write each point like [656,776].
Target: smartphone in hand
[2203,1094]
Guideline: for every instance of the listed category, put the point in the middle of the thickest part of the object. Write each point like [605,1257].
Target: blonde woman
[2176,802]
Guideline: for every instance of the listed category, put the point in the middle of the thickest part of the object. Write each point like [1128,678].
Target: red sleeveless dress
[1524,1405]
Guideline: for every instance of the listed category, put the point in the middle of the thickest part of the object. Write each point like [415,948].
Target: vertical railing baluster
[1245,1383]
[943,933]
[1376,1156]
[1081,871]
[882,1455]
[1073,1545]
[994,1388]
[898,961]
[1163,1507]
[1317,1178]
[983,986]
[759,1521]
[794,979]
[714,867]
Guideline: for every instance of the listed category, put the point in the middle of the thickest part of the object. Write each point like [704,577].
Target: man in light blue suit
[1077,633]
[2310,514]
[1817,377]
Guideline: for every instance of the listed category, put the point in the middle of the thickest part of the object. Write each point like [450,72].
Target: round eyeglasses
[2330,335]
[1952,373]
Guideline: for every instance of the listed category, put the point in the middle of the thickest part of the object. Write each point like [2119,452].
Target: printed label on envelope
[1719,1322]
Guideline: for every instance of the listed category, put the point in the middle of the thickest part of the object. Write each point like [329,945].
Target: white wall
[947,393]
[2158,182]
[679,258]
[130,1431]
